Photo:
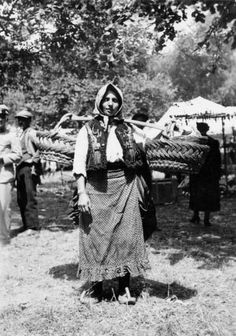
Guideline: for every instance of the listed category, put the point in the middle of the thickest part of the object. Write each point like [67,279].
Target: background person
[147,208]
[204,186]
[106,166]
[28,173]
[10,154]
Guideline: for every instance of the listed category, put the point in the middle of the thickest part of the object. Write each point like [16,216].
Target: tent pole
[225,156]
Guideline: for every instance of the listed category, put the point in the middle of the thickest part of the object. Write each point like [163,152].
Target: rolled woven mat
[55,147]
[177,155]
[200,140]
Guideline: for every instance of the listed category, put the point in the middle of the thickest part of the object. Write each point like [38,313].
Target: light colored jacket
[10,152]
[28,141]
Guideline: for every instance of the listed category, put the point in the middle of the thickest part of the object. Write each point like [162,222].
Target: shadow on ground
[163,291]
[214,245]
[139,285]
[67,271]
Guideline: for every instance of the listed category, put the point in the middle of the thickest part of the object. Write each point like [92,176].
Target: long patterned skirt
[111,239]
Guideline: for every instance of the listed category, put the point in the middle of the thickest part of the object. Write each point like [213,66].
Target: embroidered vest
[96,159]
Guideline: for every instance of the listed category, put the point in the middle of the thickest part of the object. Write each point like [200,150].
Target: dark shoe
[17,231]
[195,220]
[29,232]
[22,229]
[37,228]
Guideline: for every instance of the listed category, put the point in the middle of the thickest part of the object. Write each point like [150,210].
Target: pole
[130,121]
[225,156]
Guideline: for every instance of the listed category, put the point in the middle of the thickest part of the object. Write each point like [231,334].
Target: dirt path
[190,289]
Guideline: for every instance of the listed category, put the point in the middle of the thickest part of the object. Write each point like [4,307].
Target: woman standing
[204,186]
[107,163]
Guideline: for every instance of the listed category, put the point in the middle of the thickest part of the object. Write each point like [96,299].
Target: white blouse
[114,150]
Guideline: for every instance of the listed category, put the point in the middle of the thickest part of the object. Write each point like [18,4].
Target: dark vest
[96,159]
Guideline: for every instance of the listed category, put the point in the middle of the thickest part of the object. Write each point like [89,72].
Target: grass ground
[190,289]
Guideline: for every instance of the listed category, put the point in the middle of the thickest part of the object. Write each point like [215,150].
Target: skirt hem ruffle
[107,272]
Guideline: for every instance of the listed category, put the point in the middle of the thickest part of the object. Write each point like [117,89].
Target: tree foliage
[86,35]
[226,92]
[197,72]
[57,53]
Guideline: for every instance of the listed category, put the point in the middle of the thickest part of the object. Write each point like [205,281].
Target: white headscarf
[101,94]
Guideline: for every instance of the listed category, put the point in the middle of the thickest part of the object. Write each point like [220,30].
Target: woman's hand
[84,204]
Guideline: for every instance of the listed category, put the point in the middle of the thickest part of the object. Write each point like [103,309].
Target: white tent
[198,109]
[231,117]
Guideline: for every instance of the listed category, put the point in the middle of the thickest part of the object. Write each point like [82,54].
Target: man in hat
[204,186]
[10,154]
[28,172]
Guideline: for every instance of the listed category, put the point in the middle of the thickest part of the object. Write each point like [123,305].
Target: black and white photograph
[117,168]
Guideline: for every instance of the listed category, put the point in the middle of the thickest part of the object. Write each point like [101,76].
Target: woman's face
[110,104]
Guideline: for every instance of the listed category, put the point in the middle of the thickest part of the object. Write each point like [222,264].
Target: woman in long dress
[204,186]
[108,170]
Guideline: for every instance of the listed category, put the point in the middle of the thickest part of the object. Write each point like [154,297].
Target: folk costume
[111,236]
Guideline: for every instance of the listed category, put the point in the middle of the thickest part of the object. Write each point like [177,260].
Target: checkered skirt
[111,239]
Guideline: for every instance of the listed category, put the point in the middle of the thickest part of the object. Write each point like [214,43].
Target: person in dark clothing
[28,173]
[204,186]
[148,211]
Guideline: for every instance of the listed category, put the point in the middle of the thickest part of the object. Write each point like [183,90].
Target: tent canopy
[198,110]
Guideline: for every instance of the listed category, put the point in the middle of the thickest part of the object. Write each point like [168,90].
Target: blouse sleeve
[81,150]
